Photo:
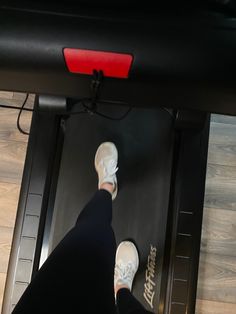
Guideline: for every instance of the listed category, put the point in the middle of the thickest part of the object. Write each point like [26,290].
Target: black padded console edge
[181,62]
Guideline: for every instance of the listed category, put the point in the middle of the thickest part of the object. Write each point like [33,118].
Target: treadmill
[144,79]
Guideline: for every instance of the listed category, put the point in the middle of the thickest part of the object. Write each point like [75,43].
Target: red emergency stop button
[84,61]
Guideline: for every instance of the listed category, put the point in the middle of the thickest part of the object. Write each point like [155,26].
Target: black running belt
[145,142]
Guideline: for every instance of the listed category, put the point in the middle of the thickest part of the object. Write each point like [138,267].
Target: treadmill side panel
[187,220]
[31,204]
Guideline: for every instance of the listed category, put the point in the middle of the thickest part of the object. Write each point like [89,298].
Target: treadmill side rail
[186,218]
[35,182]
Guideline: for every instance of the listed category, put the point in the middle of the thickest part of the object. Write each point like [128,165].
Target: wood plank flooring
[211,307]
[13,147]
[217,271]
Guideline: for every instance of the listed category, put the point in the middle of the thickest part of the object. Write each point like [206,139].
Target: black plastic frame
[183,237]
[33,202]
[180,61]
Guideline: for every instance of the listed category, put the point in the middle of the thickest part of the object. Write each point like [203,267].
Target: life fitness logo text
[149,285]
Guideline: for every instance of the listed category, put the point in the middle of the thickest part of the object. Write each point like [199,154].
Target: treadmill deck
[145,141]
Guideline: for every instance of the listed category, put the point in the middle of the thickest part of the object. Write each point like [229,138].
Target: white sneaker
[106,159]
[127,262]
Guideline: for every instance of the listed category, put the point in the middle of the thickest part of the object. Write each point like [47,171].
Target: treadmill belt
[145,143]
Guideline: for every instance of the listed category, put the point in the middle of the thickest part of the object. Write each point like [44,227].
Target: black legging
[78,276]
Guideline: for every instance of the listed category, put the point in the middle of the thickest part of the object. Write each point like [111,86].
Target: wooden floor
[12,156]
[217,271]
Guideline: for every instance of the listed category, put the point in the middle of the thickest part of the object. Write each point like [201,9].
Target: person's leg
[127,262]
[128,304]
[78,276]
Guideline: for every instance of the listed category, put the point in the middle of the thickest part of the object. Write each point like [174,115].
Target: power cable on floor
[19,115]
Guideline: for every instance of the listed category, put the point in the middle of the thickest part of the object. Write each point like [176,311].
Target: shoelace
[110,167]
[124,272]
